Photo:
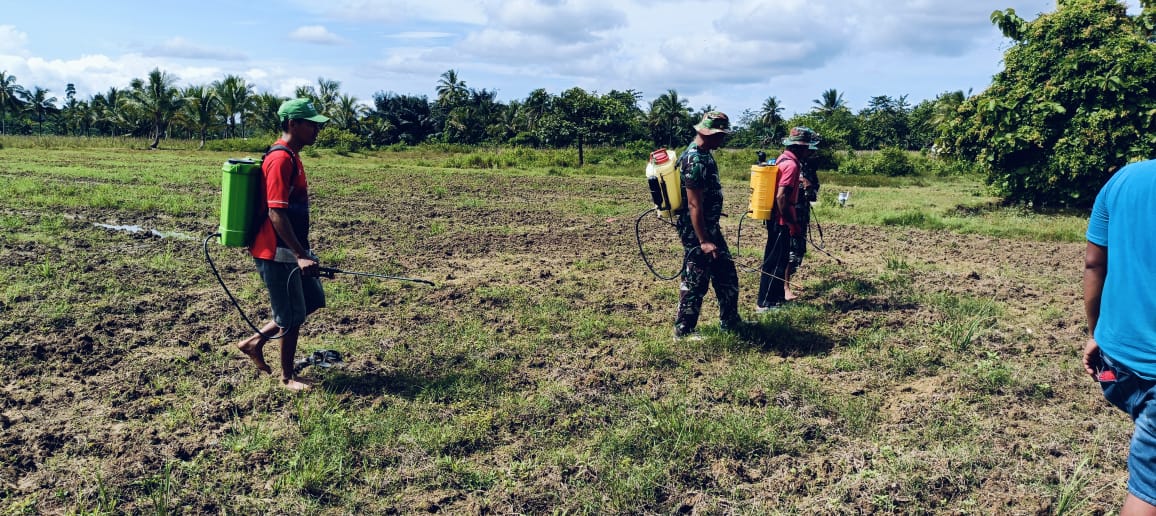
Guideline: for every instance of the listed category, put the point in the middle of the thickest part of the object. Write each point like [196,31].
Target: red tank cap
[659,156]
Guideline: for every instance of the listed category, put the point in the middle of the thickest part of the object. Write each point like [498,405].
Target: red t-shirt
[788,178]
[286,190]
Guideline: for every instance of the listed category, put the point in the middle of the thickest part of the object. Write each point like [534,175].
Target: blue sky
[731,55]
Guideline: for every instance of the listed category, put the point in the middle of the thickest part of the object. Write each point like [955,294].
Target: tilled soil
[96,353]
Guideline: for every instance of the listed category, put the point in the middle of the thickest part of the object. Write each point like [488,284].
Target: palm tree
[328,92]
[158,99]
[770,118]
[509,122]
[669,116]
[306,92]
[829,102]
[106,111]
[946,106]
[200,109]
[265,106]
[771,114]
[10,94]
[38,102]
[236,98]
[400,118]
[347,112]
[451,90]
[537,104]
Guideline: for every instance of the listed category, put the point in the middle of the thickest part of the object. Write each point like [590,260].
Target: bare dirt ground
[114,363]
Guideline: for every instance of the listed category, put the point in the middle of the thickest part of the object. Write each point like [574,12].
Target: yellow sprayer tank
[662,167]
[764,181]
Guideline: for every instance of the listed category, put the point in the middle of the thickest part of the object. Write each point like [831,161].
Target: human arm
[788,182]
[281,174]
[279,218]
[694,203]
[1095,272]
[783,205]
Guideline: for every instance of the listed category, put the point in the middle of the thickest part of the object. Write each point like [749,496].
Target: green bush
[893,162]
[256,145]
[826,159]
[525,139]
[926,165]
[890,162]
[339,140]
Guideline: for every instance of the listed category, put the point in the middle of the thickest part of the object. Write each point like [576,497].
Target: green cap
[300,109]
[802,136]
[713,122]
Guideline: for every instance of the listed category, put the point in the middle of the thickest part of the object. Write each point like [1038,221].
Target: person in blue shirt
[1120,303]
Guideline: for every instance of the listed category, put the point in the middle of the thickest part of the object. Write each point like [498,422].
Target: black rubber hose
[232,299]
[642,252]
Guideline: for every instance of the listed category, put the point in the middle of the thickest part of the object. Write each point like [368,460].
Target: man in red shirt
[784,223]
[281,248]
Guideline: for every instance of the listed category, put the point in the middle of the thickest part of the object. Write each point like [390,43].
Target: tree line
[157,107]
[1075,102]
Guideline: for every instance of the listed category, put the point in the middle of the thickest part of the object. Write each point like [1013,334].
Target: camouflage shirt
[700,172]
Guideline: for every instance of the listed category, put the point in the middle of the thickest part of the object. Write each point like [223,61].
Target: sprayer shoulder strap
[292,158]
[260,202]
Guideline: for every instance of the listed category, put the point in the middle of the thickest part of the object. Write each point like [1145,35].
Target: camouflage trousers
[697,276]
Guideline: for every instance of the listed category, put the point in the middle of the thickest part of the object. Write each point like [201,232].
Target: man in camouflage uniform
[698,226]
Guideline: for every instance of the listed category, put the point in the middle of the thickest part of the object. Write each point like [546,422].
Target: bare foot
[294,385]
[254,351]
[789,296]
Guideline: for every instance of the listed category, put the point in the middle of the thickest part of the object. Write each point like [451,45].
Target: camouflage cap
[714,122]
[803,137]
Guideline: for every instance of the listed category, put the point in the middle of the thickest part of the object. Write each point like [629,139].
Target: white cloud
[565,21]
[316,34]
[12,41]
[398,12]
[732,54]
[416,35]
[513,47]
[182,48]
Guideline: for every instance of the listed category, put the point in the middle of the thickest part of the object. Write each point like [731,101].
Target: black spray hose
[756,270]
[822,245]
[232,299]
[739,239]
[686,257]
[642,252]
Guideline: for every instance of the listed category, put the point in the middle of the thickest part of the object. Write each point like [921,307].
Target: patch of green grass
[965,319]
[509,390]
[165,261]
[991,374]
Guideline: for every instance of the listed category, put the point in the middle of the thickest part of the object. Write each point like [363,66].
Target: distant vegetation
[1073,104]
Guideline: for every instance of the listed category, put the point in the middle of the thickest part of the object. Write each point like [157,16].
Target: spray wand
[329,272]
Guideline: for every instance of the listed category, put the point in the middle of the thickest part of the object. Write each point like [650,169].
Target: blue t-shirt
[1123,220]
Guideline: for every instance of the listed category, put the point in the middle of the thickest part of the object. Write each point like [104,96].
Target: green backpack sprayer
[243,213]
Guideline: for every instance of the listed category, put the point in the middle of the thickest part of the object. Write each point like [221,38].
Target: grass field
[929,366]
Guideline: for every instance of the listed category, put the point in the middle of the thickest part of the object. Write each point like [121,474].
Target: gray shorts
[292,296]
